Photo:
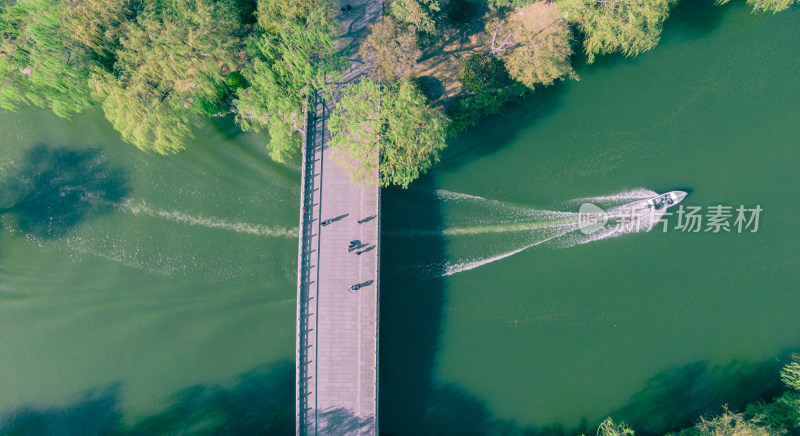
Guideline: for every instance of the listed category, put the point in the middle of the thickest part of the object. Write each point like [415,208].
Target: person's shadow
[55,189]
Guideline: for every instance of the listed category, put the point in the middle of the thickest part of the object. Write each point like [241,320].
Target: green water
[654,328]
[188,282]
[174,306]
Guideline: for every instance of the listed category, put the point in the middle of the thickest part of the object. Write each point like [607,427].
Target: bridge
[338,269]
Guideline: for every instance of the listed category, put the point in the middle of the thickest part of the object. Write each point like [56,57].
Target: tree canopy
[98,25]
[171,66]
[626,26]
[291,59]
[482,72]
[420,14]
[767,5]
[39,63]
[386,128]
[158,66]
[535,44]
[390,50]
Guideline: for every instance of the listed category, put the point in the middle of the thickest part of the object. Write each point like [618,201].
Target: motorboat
[664,201]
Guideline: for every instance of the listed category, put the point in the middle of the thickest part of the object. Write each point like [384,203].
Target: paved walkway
[337,340]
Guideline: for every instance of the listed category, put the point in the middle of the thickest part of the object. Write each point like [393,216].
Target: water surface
[162,292]
[175,272]
[654,328]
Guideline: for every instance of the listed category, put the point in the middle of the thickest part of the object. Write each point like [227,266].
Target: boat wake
[141,208]
[479,231]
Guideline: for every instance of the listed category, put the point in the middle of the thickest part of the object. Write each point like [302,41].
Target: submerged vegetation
[157,67]
[778,417]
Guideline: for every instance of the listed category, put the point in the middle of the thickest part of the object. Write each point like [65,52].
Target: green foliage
[773,6]
[247,10]
[390,50]
[781,415]
[729,423]
[213,104]
[235,80]
[172,64]
[542,47]
[135,109]
[482,72]
[386,133]
[790,374]
[626,26]
[39,63]
[609,428]
[420,14]
[469,110]
[98,25]
[355,128]
[291,60]
[274,15]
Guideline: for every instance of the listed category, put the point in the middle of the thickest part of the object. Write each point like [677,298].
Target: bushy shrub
[783,414]
[482,72]
[469,110]
[234,80]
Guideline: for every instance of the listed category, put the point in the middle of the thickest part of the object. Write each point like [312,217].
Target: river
[168,299]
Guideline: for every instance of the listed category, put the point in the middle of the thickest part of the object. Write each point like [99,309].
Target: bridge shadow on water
[54,189]
[410,308]
[411,313]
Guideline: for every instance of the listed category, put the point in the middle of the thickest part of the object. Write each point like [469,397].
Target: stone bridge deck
[337,329]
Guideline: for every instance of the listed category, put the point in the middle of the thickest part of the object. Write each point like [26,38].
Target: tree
[729,423]
[609,428]
[482,72]
[767,5]
[782,415]
[386,133]
[39,63]
[144,115]
[390,51]
[98,25]
[421,14]
[274,15]
[537,48]
[171,67]
[790,374]
[291,60]
[626,26]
